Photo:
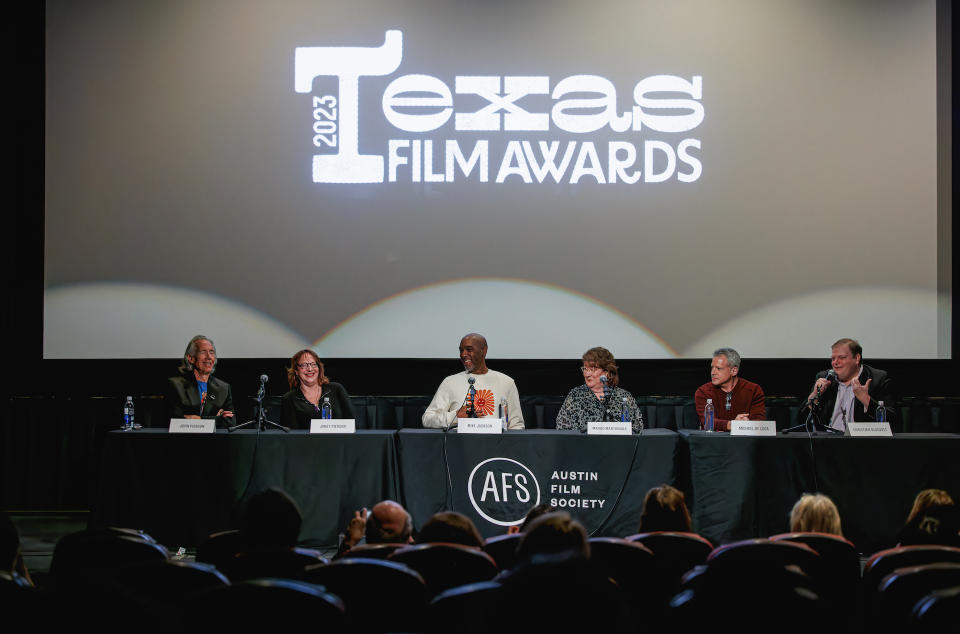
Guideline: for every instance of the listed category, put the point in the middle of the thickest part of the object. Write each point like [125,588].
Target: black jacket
[879,390]
[183,397]
[296,412]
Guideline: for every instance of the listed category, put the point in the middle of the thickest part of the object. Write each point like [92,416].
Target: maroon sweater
[747,399]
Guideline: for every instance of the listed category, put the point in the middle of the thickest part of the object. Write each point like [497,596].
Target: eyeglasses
[308,365]
[591,368]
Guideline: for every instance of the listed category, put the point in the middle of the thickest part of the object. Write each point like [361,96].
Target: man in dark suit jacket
[851,391]
[195,392]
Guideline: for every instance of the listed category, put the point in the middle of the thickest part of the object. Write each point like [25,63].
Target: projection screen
[376,178]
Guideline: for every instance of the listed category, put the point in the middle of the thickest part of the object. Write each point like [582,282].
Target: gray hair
[732,356]
[191,351]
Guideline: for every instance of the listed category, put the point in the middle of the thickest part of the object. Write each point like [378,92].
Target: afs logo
[502,490]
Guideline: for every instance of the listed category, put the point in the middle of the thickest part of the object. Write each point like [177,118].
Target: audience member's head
[815,512]
[937,524]
[532,514]
[664,509]
[927,498]
[389,523]
[553,533]
[270,521]
[452,528]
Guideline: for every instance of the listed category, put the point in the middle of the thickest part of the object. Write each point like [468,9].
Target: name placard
[479,426]
[753,428]
[192,426]
[613,428]
[866,430]
[333,425]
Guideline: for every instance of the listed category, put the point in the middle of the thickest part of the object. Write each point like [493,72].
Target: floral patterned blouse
[582,406]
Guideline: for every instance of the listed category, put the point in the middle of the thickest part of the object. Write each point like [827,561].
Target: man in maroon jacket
[734,398]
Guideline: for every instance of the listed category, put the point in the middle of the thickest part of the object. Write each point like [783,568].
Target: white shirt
[493,388]
[843,408]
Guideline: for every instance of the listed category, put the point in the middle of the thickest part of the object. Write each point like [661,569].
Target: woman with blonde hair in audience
[815,513]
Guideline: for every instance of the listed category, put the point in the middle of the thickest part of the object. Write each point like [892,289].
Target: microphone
[472,411]
[831,377]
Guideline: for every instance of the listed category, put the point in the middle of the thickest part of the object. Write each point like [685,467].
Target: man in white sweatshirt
[494,391]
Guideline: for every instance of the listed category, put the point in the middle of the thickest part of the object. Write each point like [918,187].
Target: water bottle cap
[326,399]
[710,400]
[881,403]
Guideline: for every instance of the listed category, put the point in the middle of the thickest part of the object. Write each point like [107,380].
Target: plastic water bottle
[625,412]
[504,417]
[708,415]
[881,412]
[128,418]
[327,410]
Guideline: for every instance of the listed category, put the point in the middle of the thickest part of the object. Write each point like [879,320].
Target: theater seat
[378,595]
[503,549]
[676,552]
[747,599]
[882,563]
[758,554]
[840,558]
[219,548]
[170,582]
[841,571]
[468,606]
[903,588]
[748,562]
[96,551]
[263,604]
[633,567]
[285,564]
[371,551]
[445,566]
[938,611]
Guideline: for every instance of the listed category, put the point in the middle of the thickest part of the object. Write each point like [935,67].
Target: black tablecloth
[742,487]
[600,480]
[181,487]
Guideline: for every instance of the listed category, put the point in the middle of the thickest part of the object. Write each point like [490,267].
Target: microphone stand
[261,420]
[472,410]
[812,424]
[606,400]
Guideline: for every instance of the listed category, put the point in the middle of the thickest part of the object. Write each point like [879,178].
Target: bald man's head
[473,353]
[389,523]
